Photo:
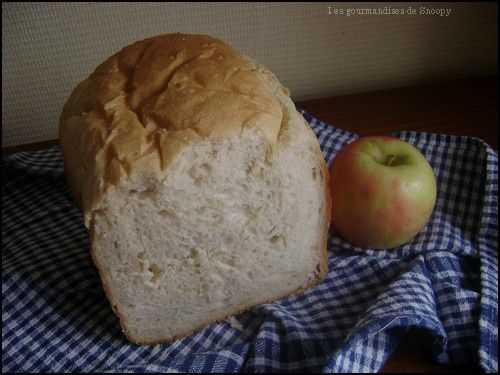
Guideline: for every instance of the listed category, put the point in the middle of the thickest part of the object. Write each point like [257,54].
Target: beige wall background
[47,48]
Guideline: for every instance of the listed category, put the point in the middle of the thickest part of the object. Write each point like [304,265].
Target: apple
[383,192]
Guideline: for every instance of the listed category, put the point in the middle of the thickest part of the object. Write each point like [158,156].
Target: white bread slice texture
[204,191]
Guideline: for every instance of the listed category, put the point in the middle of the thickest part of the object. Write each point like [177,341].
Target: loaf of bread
[203,189]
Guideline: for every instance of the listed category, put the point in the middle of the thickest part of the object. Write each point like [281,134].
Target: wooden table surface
[465,107]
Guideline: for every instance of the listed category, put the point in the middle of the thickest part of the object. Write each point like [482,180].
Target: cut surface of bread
[199,205]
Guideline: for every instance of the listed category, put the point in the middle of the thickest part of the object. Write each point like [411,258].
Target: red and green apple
[383,192]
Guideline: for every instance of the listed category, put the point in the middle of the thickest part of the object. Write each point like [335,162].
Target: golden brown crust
[144,104]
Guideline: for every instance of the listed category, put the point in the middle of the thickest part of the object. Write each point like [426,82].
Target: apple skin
[383,192]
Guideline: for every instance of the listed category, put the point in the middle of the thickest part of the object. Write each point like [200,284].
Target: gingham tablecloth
[55,316]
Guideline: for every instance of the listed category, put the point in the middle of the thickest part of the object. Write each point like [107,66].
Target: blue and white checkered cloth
[55,317]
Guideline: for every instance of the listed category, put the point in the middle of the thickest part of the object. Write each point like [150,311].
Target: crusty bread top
[139,109]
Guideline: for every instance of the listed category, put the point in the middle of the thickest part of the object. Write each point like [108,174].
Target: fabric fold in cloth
[55,317]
